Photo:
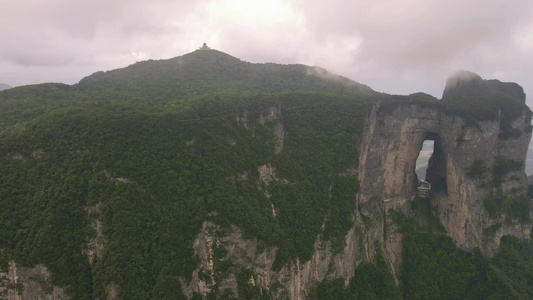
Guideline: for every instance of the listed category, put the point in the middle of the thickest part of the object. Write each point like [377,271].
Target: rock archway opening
[436,172]
[423,159]
[430,166]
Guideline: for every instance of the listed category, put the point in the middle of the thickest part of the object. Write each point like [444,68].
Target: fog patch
[462,76]
[325,74]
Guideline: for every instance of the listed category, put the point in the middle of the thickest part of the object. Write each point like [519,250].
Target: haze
[397,47]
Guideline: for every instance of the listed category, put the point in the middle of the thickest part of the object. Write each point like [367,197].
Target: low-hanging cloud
[461,76]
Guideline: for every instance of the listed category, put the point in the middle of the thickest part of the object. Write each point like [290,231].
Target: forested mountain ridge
[204,176]
[212,71]
[174,82]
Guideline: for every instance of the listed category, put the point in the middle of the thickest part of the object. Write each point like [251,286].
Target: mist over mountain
[209,71]
[204,176]
[4,86]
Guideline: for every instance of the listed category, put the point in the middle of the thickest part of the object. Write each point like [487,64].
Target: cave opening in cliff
[431,164]
[423,159]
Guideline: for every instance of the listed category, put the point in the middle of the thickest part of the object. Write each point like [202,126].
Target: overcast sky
[394,46]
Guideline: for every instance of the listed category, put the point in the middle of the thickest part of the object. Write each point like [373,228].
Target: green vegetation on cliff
[125,167]
[155,176]
[370,281]
[127,150]
[474,100]
[434,268]
[467,93]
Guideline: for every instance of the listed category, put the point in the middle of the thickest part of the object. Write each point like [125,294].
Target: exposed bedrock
[481,139]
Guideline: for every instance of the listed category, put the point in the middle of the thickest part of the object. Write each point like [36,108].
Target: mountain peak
[465,84]
[207,70]
[462,77]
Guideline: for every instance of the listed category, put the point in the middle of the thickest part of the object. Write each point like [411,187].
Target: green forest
[153,150]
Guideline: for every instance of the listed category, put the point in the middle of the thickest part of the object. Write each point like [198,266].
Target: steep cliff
[207,177]
[475,161]
[481,132]
[234,265]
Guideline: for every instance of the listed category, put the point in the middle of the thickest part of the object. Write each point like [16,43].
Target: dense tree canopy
[152,150]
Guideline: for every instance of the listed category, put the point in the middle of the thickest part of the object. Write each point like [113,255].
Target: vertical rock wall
[473,163]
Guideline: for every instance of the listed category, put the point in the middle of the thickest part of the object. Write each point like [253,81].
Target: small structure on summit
[423,188]
[205,47]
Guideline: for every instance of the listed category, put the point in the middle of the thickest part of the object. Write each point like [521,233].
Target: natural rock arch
[395,132]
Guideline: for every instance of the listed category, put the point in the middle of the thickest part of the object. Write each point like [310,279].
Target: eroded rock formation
[19,283]
[481,132]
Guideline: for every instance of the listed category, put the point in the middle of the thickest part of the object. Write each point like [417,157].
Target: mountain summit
[209,71]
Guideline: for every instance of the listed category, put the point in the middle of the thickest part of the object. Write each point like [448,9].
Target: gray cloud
[461,76]
[419,38]
[399,46]
[27,58]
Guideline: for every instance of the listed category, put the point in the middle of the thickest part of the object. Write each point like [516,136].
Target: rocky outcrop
[29,283]
[478,159]
[224,255]
[476,172]
[95,244]
[273,116]
[475,160]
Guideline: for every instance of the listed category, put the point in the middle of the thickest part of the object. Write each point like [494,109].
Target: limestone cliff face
[292,281]
[473,164]
[19,283]
[252,261]
[476,172]
[469,168]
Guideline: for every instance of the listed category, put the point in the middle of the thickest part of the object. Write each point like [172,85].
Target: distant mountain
[175,81]
[4,86]
[212,71]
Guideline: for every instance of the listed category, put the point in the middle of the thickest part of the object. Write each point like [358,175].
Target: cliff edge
[481,131]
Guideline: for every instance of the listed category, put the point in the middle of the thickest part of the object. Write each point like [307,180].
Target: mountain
[204,176]
[4,86]
[212,71]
